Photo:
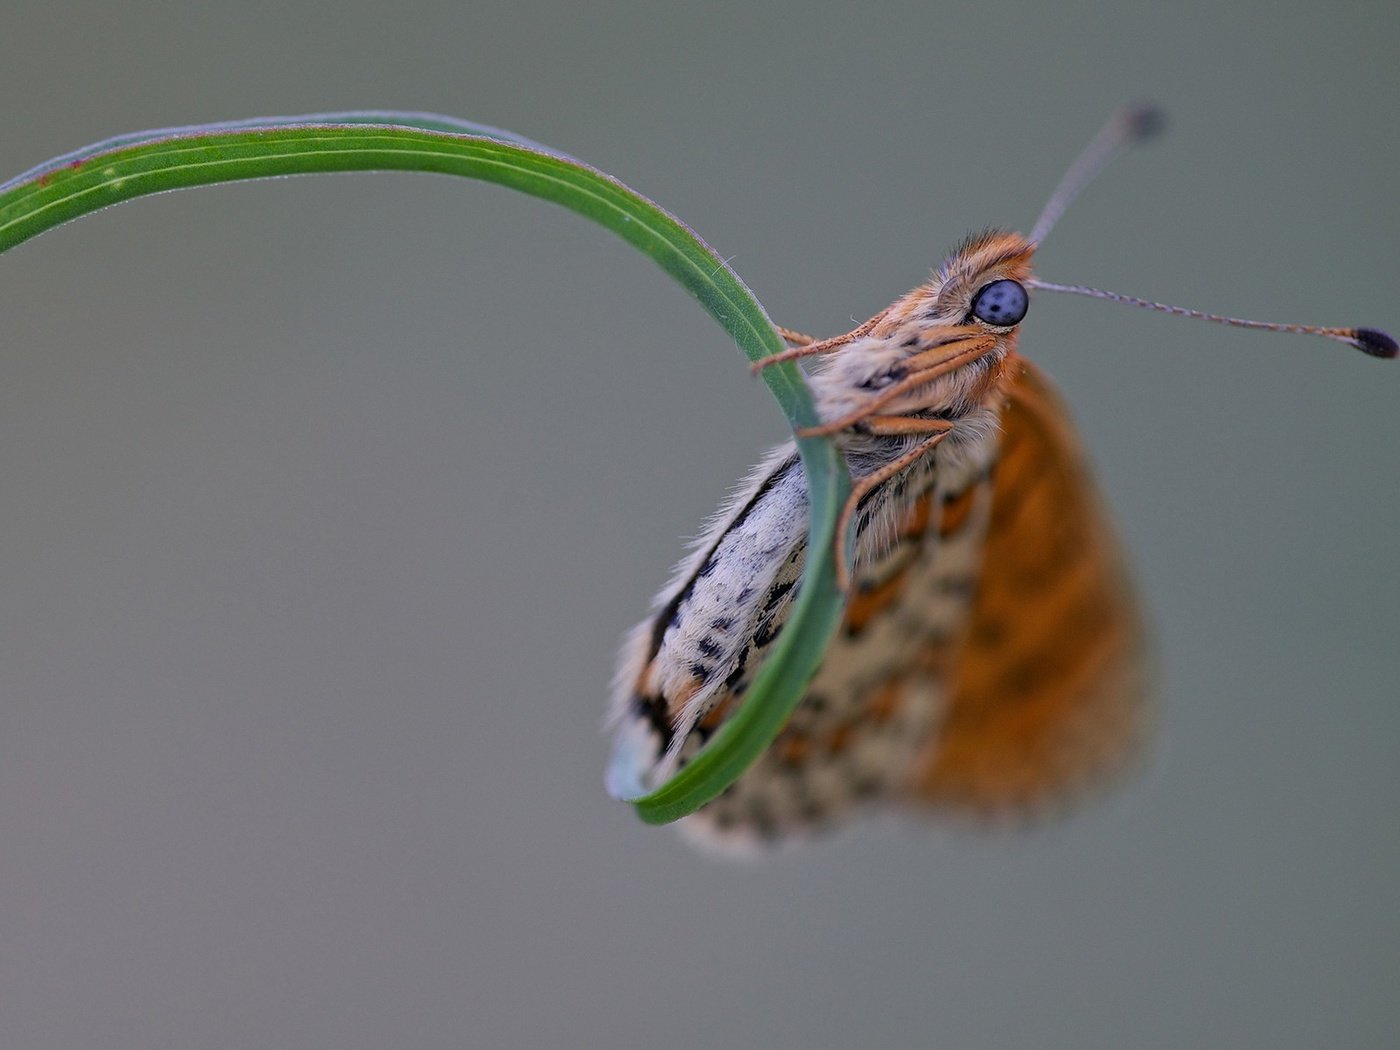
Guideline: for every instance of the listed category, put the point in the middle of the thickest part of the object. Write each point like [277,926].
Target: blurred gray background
[327,500]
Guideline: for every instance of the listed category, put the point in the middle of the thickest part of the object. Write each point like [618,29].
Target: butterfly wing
[989,660]
[1047,690]
[879,694]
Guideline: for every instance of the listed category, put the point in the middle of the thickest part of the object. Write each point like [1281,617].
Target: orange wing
[1047,691]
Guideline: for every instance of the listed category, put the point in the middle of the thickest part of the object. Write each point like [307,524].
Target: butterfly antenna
[1368,340]
[1126,128]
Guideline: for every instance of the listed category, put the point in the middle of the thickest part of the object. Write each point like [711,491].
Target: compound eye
[1002,303]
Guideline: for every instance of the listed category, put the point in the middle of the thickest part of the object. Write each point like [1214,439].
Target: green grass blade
[130,166]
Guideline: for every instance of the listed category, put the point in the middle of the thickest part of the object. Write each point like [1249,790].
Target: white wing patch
[873,704]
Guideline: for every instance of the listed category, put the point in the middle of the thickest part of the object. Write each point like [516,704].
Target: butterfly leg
[795,338]
[897,425]
[894,425]
[822,346]
[920,369]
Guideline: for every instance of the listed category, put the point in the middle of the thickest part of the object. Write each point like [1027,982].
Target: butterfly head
[938,350]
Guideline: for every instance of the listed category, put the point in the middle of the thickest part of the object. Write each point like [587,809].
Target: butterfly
[991,660]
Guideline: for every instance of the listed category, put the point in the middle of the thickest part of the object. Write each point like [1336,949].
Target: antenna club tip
[1374,342]
[1145,119]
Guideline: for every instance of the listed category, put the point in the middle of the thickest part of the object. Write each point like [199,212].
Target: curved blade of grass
[129,166]
[380,117]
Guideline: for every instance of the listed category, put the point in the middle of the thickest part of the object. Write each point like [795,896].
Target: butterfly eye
[1002,303]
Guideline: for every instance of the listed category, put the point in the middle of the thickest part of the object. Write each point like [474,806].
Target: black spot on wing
[668,615]
[740,666]
[777,594]
[652,710]
[766,633]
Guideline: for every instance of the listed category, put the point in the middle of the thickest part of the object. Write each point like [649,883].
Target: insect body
[901,704]
[990,659]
